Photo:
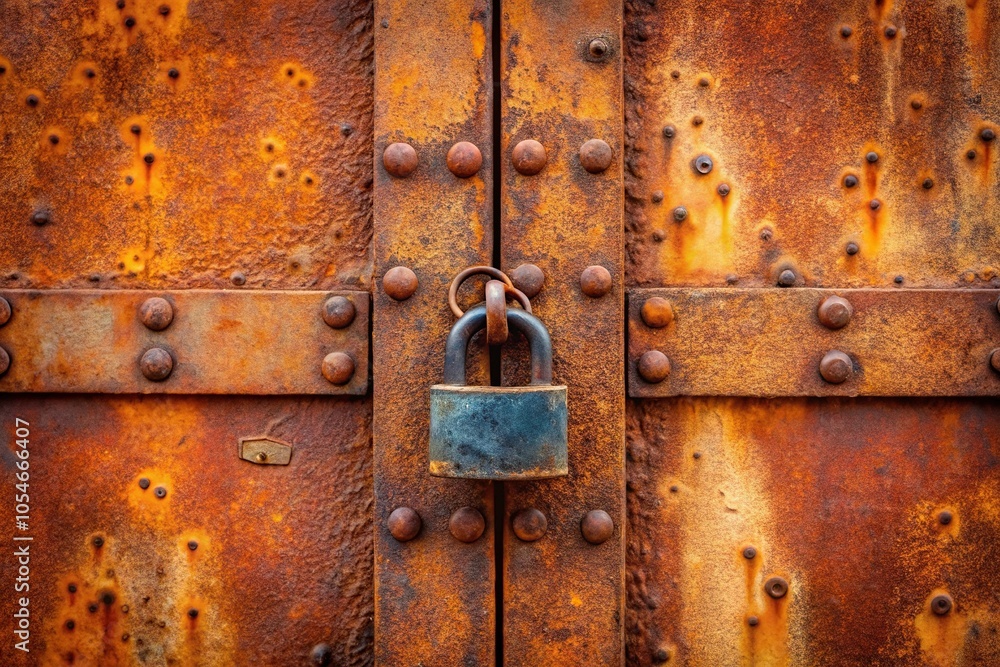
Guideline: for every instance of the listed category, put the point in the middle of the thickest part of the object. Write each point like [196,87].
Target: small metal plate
[265,451]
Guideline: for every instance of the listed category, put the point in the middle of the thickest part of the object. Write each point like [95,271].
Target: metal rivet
[261,457]
[598,48]
[942,604]
[776,587]
[70,624]
[994,359]
[399,283]
[529,279]
[597,526]
[657,312]
[945,517]
[749,553]
[890,31]
[129,22]
[836,367]
[696,455]
[669,131]
[156,313]
[674,488]
[723,189]
[529,524]
[704,82]
[850,181]
[753,621]
[916,105]
[399,159]
[852,248]
[971,154]
[98,542]
[92,608]
[467,524]
[766,233]
[148,158]
[661,655]
[143,483]
[656,197]
[156,364]
[238,278]
[835,312]
[595,156]
[595,281]
[321,654]
[680,214]
[898,280]
[192,545]
[464,159]
[872,157]
[40,218]
[675,74]
[338,312]
[875,204]
[654,366]
[32,100]
[928,183]
[5,311]
[786,278]
[987,134]
[528,157]
[846,31]
[53,139]
[71,588]
[164,10]
[160,492]
[173,73]
[404,523]
[192,613]
[338,368]
[702,164]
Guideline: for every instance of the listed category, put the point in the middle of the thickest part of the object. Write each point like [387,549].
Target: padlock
[500,433]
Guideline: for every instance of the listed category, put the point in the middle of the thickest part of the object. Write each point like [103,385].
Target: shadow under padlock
[498,433]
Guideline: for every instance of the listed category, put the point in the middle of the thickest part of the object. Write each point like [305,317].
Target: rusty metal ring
[464,275]
[520,296]
[496,313]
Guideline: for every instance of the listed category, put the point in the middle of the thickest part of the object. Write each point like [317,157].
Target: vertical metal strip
[562,86]
[434,599]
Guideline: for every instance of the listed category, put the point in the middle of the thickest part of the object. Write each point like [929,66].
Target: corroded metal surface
[771,342]
[214,145]
[867,508]
[434,594]
[563,597]
[220,342]
[850,143]
[155,543]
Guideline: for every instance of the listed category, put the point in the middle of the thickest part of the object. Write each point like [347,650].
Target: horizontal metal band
[771,342]
[213,342]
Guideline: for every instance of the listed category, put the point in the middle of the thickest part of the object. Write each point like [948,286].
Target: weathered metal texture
[770,342]
[867,508]
[210,146]
[219,342]
[434,594]
[788,100]
[561,86]
[154,543]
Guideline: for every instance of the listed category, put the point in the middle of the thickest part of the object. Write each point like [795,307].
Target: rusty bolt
[192,613]
[680,214]
[945,517]
[723,189]
[875,204]
[852,248]
[135,129]
[987,134]
[654,366]
[898,280]
[399,159]
[942,604]
[890,31]
[338,312]
[464,159]
[156,364]
[467,524]
[928,183]
[656,197]
[399,283]
[595,281]
[753,621]
[846,31]
[164,10]
[338,368]
[143,483]
[697,121]
[32,100]
[528,278]
[529,524]
[173,72]
[836,367]
[597,526]
[971,154]
[994,359]
[192,545]
[657,312]
[916,104]
[661,655]
[786,278]
[404,524]
[156,313]
[129,22]
[41,218]
[4,311]
[70,624]
[749,552]
[71,588]
[148,158]
[238,278]
[528,157]
[850,181]
[702,164]
[595,156]
[835,312]
[669,131]
[321,655]
[598,48]
[872,157]
[98,542]
[776,587]
[160,492]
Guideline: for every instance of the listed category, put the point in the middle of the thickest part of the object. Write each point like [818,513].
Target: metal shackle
[474,320]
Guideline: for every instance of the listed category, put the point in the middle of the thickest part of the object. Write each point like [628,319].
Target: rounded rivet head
[595,281]
[942,604]
[680,214]
[338,368]
[160,492]
[927,183]
[669,131]
[156,313]
[597,526]
[464,159]
[595,156]
[890,31]
[143,483]
[338,312]
[786,278]
[404,524]
[971,154]
[753,621]
[529,279]
[835,312]
[995,359]
[529,524]
[528,157]
[661,655]
[852,248]
[467,524]
[850,181]
[875,204]
[723,189]
[657,312]
[703,164]
[776,587]
[872,157]
[654,366]
[238,278]
[836,367]
[149,158]
[4,361]
[988,134]
[749,552]
[597,48]
[945,517]
[399,283]
[321,655]
[156,364]
[4,311]
[846,31]
[399,159]
[192,545]
[40,219]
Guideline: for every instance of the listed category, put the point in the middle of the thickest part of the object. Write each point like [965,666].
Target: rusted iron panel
[433,89]
[852,143]
[868,508]
[771,342]
[153,542]
[562,211]
[216,342]
[207,145]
